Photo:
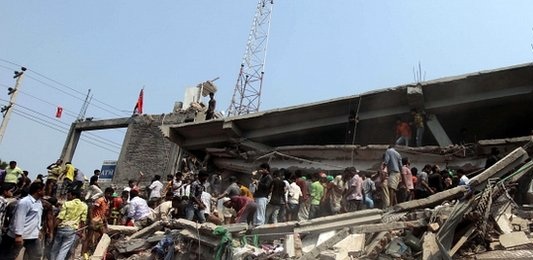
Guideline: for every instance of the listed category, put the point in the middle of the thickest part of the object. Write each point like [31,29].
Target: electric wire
[70,113]
[67,112]
[66,126]
[82,98]
[109,141]
[36,120]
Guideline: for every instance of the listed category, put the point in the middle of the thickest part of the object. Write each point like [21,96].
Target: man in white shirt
[155,191]
[25,227]
[138,210]
[294,199]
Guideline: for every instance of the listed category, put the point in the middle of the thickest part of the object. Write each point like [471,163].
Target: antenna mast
[247,94]
[83,110]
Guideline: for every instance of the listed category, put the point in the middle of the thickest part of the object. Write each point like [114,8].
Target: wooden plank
[101,248]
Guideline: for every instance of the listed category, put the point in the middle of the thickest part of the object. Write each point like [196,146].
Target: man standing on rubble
[418,123]
[305,202]
[392,161]
[317,192]
[54,170]
[422,189]
[97,225]
[71,218]
[354,194]
[210,114]
[264,187]
[196,207]
[155,191]
[277,199]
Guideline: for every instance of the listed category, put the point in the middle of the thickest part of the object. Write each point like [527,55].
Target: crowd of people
[42,212]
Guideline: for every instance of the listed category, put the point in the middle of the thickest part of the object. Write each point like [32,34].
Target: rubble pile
[477,221]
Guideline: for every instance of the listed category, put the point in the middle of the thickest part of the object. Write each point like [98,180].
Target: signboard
[108,171]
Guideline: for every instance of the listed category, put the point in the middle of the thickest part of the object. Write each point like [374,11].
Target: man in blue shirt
[25,227]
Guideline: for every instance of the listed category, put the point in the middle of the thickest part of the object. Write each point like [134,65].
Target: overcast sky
[317,50]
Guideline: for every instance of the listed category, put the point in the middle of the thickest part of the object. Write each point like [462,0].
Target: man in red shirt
[245,208]
[98,220]
[305,202]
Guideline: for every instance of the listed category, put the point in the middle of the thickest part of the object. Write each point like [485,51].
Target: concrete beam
[103,124]
[480,96]
[374,228]
[255,146]
[202,142]
[304,228]
[231,129]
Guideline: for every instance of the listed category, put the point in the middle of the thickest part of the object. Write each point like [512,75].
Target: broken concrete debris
[478,221]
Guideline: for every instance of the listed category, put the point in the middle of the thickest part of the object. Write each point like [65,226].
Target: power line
[55,106]
[34,119]
[67,125]
[64,85]
[111,142]
[89,133]
[42,100]
[81,99]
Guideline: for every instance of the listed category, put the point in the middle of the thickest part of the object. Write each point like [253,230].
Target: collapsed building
[466,116]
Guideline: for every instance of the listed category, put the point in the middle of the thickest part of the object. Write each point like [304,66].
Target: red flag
[59,112]
[138,109]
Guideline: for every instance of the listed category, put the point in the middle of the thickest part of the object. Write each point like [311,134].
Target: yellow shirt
[54,172]
[72,213]
[12,175]
[246,192]
[69,168]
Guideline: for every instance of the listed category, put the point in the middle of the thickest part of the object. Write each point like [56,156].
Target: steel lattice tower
[247,94]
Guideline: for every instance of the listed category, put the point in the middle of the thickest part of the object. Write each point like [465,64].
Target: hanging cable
[36,120]
[356,121]
[65,92]
[67,126]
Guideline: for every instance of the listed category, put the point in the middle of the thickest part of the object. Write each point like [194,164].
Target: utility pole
[6,110]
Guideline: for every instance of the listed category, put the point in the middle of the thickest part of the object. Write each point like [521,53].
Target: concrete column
[437,130]
[71,143]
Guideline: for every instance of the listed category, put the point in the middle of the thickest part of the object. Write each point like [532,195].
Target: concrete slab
[352,245]
[325,236]
[506,254]
[514,239]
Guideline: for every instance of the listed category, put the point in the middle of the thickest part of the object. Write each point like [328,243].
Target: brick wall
[145,149]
